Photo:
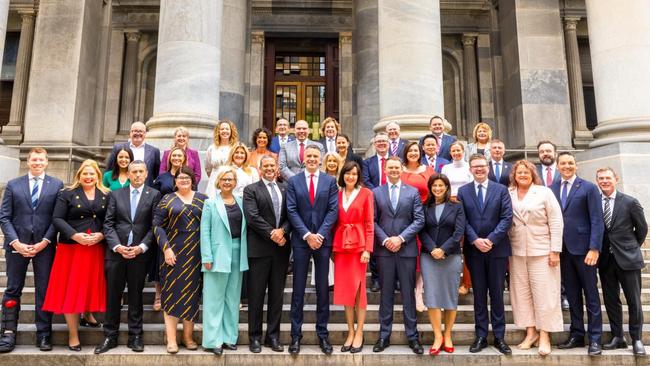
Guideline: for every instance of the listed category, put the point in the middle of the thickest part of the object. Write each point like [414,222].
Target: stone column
[345,84]
[472,115]
[188,71]
[4,16]
[256,81]
[233,63]
[581,134]
[13,132]
[410,65]
[365,45]
[127,107]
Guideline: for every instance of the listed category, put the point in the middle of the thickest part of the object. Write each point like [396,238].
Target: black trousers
[391,269]
[488,276]
[612,279]
[580,279]
[266,273]
[119,273]
[16,272]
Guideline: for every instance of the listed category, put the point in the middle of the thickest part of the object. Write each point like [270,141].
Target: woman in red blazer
[353,240]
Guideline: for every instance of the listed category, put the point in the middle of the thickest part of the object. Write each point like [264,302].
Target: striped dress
[176,225]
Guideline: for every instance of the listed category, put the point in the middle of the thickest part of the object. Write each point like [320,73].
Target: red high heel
[447,349]
[436,351]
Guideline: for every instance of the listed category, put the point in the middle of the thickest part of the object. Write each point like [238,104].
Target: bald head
[137,133]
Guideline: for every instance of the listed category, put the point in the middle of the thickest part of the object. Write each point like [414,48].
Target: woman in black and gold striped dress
[177,221]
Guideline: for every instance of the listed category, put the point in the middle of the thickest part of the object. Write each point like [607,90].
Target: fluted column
[233,62]
[4,15]
[188,71]
[581,134]
[472,114]
[127,106]
[13,132]
[256,81]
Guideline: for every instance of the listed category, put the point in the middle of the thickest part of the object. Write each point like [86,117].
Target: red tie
[383,173]
[438,144]
[312,190]
[549,177]
[302,152]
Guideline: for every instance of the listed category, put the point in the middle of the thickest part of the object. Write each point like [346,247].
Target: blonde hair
[327,121]
[234,135]
[185,132]
[77,177]
[246,167]
[223,171]
[484,126]
[169,158]
[339,162]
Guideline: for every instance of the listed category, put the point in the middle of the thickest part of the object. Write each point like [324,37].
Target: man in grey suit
[293,152]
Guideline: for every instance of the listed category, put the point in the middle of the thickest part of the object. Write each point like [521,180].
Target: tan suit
[536,230]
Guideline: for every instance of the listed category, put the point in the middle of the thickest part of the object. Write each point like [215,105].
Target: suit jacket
[19,220]
[406,221]
[118,223]
[74,213]
[438,164]
[623,240]
[537,223]
[193,161]
[445,234]
[504,178]
[355,228]
[261,219]
[151,159]
[556,177]
[275,143]
[371,173]
[400,148]
[290,163]
[493,222]
[323,142]
[472,149]
[318,218]
[216,238]
[354,157]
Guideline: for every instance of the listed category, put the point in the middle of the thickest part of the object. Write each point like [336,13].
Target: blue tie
[35,193]
[497,171]
[134,205]
[480,197]
[564,194]
[393,196]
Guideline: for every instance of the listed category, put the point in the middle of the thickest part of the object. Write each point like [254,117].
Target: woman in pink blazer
[536,239]
[181,139]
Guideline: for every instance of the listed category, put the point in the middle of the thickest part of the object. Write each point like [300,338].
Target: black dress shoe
[565,303]
[44,343]
[502,346]
[136,343]
[76,348]
[374,287]
[294,347]
[415,345]
[229,347]
[637,348]
[572,342]
[381,345]
[478,345]
[274,344]
[7,342]
[108,344]
[594,349]
[616,342]
[217,351]
[255,346]
[325,346]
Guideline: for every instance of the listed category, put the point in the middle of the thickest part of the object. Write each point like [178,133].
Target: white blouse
[458,174]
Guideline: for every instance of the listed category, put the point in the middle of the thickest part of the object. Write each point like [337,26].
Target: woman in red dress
[353,240]
[77,283]
[417,175]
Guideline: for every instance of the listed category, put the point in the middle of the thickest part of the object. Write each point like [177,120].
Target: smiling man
[141,151]
[292,154]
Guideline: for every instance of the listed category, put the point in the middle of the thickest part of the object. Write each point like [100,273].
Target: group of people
[433,218]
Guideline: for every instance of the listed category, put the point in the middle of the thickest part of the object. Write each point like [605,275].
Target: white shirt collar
[267,182]
[41,176]
[316,174]
[132,188]
[484,184]
[500,162]
[398,184]
[379,157]
[612,196]
[570,180]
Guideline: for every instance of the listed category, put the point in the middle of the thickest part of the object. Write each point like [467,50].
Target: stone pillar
[188,71]
[410,65]
[233,63]
[4,16]
[256,81]
[127,107]
[472,115]
[581,134]
[13,132]
[365,45]
[345,84]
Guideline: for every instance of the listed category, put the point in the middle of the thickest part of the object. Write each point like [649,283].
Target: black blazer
[626,235]
[118,224]
[445,234]
[74,214]
[504,178]
[260,217]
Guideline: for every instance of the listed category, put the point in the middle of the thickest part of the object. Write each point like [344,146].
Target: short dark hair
[313,147]
[345,137]
[185,170]
[431,199]
[429,136]
[547,142]
[256,134]
[476,157]
[407,147]
[436,117]
[115,169]
[346,168]
[563,153]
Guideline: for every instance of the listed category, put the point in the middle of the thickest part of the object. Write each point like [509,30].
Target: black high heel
[76,348]
[85,323]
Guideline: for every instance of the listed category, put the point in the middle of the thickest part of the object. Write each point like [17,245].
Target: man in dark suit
[292,154]
[396,144]
[281,135]
[330,128]
[489,216]
[443,140]
[312,208]
[130,242]
[268,254]
[26,219]
[499,169]
[581,243]
[430,156]
[141,151]
[621,260]
[399,216]
[547,170]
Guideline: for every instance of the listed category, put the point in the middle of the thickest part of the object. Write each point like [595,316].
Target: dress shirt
[612,198]
[307,178]
[277,189]
[331,144]
[138,151]
[568,188]
[379,157]
[431,160]
[347,201]
[137,202]
[494,168]
[390,187]
[485,186]
[553,170]
[283,140]
[41,179]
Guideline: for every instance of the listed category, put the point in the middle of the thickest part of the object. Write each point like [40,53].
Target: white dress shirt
[277,189]
[137,201]
[138,151]
[569,186]
[41,179]
[379,167]
[612,199]
[485,186]
[553,168]
[307,179]
[397,191]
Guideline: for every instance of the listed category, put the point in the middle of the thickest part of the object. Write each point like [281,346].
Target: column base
[635,129]
[582,139]
[412,126]
[12,135]
[161,129]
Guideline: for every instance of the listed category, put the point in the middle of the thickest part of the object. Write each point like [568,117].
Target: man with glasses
[281,137]
[141,151]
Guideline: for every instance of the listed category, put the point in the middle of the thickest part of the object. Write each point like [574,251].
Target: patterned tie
[383,173]
[312,190]
[549,177]
[607,212]
[564,194]
[393,196]
[497,171]
[438,146]
[35,193]
[302,152]
[276,203]
[331,145]
[393,148]
[480,197]
[134,205]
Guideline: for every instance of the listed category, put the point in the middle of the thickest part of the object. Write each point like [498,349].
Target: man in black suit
[547,170]
[141,151]
[621,260]
[499,168]
[130,242]
[26,219]
[265,209]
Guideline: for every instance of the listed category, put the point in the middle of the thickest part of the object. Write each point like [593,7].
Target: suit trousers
[301,256]
[392,268]
[488,277]
[16,272]
[612,279]
[221,295]
[270,273]
[580,278]
[120,273]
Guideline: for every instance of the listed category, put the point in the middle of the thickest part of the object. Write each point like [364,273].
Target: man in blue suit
[281,135]
[396,144]
[547,169]
[489,215]
[26,219]
[443,140]
[499,168]
[430,156]
[141,151]
[399,216]
[312,209]
[582,240]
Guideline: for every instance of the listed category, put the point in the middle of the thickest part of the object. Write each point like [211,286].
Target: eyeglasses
[478,166]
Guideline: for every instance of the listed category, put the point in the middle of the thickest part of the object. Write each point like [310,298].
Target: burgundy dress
[419,182]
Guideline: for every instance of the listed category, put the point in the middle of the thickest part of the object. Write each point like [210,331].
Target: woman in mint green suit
[224,257]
